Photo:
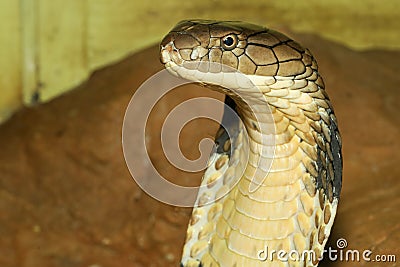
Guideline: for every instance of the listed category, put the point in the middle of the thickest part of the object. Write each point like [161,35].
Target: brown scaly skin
[295,206]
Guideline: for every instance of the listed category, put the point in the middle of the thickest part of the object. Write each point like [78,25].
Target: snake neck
[273,140]
[274,167]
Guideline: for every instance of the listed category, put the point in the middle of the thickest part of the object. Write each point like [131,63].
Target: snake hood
[294,204]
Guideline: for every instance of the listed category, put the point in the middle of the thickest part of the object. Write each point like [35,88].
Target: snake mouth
[170,54]
[213,75]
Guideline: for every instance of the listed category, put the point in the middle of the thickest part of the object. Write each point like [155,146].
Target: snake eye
[229,42]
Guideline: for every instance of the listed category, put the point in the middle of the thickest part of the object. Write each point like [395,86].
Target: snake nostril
[168,47]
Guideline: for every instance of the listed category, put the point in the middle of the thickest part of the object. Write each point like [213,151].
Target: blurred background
[67,72]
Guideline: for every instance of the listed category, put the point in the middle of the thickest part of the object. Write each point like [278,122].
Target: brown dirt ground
[68,200]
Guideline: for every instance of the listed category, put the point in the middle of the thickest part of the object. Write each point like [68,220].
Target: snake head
[232,46]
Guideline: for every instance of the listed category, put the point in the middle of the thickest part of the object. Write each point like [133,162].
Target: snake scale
[294,204]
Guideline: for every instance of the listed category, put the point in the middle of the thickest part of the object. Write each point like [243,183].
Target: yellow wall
[49,46]
[10,58]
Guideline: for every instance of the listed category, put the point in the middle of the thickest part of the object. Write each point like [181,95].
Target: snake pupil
[229,42]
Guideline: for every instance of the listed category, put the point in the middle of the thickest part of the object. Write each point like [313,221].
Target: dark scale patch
[181,265]
[230,122]
[336,148]
[331,184]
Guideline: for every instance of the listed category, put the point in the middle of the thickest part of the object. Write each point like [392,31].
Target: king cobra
[293,204]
